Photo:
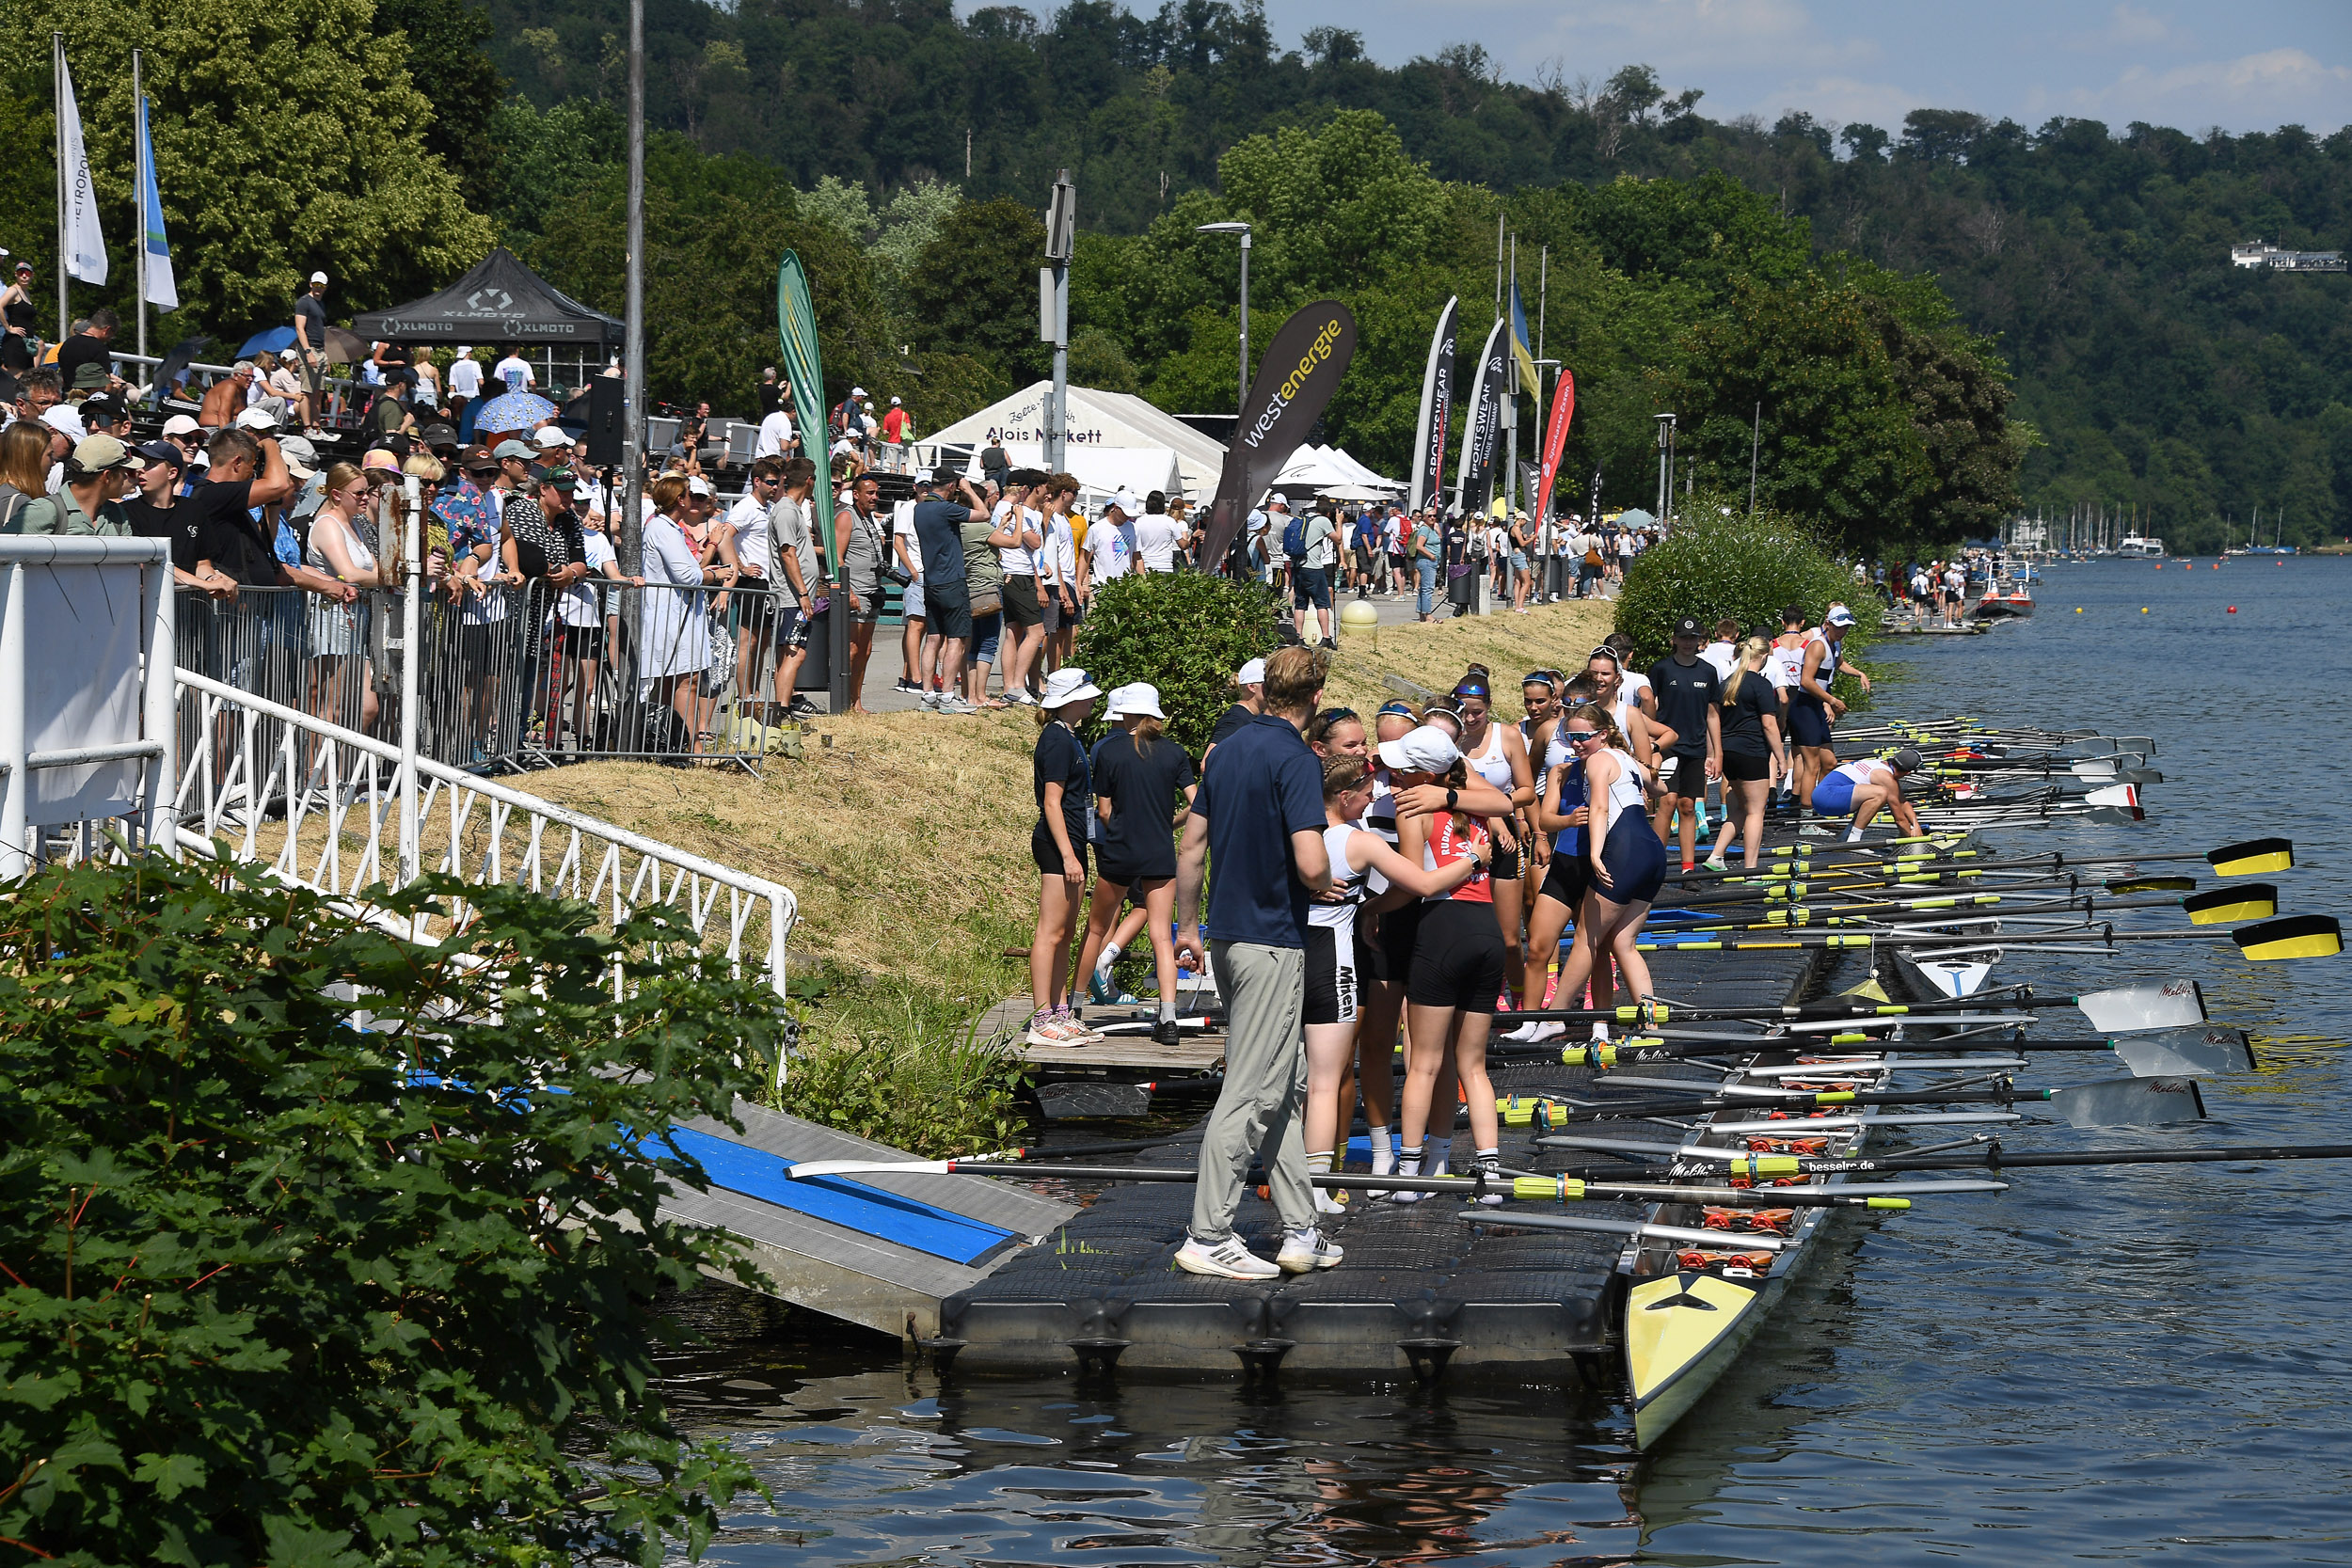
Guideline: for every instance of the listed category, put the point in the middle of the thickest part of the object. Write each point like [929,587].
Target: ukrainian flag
[1520,351]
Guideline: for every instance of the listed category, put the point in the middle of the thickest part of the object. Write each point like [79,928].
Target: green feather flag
[804,371]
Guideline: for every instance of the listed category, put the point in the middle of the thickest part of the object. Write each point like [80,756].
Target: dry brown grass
[1558,635]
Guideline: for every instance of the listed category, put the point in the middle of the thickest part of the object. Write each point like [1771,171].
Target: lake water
[2097,1364]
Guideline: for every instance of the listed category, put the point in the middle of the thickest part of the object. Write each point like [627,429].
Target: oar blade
[2208,1051]
[2256,857]
[2123,795]
[2232,905]
[2151,885]
[810,1170]
[2131,1102]
[2160,1004]
[2296,936]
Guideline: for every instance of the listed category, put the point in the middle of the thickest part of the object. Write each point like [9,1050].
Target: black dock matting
[1418,1290]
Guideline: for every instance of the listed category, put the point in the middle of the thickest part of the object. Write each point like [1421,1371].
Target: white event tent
[1114,441]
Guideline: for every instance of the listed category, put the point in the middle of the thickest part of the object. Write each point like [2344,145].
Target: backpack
[1295,539]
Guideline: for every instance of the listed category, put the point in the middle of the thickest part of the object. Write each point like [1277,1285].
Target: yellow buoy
[2079,610]
[2143,609]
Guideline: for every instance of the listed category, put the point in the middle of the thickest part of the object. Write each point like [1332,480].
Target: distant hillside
[2155,373]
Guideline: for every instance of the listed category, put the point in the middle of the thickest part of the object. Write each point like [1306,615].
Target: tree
[444,39]
[325,1247]
[336,175]
[973,291]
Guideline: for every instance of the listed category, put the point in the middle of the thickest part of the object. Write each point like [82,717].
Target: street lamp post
[1665,464]
[1240,395]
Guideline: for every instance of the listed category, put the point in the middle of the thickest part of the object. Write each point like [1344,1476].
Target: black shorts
[1458,958]
[584,642]
[1689,777]
[1128,874]
[1743,768]
[1566,878]
[1021,606]
[948,607]
[1390,959]
[1047,854]
[1396,563]
[1808,721]
[1331,995]
[1506,866]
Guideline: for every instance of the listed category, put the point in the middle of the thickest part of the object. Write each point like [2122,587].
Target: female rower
[1751,742]
[1332,989]
[1388,926]
[1497,754]
[1058,846]
[1645,738]
[1627,864]
[1458,966]
[1337,732]
[1141,781]
[1560,811]
[1813,708]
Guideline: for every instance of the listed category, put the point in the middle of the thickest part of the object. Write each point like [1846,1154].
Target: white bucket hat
[1140,699]
[1067,684]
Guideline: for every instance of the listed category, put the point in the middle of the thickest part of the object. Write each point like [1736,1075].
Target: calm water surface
[2098,1365]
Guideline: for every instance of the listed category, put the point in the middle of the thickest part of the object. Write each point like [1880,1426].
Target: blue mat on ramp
[838,1200]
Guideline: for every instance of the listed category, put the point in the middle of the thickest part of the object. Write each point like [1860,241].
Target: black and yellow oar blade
[2252,858]
[2298,936]
[2152,884]
[2227,906]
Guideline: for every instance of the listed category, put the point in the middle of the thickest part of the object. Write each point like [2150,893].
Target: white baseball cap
[182,424]
[257,418]
[1251,674]
[64,416]
[697,485]
[318,277]
[1067,684]
[1839,616]
[549,435]
[1427,750]
[894,403]
[1140,697]
[857,391]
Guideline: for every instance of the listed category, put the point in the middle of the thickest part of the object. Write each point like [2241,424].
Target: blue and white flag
[85,246]
[162,287]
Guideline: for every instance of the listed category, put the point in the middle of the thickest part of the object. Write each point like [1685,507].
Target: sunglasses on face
[1333,715]
[1578,737]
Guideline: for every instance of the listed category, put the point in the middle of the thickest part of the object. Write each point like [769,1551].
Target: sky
[2243,64]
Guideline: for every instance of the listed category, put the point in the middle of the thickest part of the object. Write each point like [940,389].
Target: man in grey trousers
[1259,815]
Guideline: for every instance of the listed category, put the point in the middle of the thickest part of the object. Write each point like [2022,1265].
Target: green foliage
[1712,565]
[892,1068]
[274,154]
[445,60]
[973,291]
[1183,632]
[293,1279]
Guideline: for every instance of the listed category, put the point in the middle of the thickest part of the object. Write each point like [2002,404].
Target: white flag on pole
[163,287]
[86,248]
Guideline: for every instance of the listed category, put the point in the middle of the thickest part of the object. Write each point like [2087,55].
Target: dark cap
[439,435]
[476,457]
[1907,761]
[1689,626]
[163,452]
[558,478]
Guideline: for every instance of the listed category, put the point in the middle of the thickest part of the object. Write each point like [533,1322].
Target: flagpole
[1539,505]
[138,192]
[56,81]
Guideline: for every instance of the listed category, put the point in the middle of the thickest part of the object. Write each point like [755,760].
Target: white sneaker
[1227,1259]
[1048,1029]
[1018,698]
[1303,1252]
[949,702]
[1537,1032]
[927,698]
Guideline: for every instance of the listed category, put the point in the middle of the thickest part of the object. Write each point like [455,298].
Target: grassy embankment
[907,843]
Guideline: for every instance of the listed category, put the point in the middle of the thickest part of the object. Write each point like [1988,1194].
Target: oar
[1994,1156]
[2294,936]
[1609,1110]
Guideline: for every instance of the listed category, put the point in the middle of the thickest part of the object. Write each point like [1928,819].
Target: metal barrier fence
[511,675]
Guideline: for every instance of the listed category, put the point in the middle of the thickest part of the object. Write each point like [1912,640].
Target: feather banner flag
[804,373]
[85,246]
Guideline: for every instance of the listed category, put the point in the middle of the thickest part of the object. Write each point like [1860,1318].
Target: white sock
[1409,1166]
[1383,1152]
[1854,835]
[1327,1202]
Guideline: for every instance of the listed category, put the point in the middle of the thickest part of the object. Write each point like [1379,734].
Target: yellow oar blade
[2229,906]
[2152,884]
[2298,936]
[2254,857]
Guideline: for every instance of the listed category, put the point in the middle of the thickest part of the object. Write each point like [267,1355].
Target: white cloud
[2275,87]
[2132,25]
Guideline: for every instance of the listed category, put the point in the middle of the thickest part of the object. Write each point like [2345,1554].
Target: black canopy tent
[500,301]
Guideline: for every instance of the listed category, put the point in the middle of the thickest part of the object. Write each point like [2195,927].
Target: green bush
[1711,566]
[297,1280]
[1186,633]
[893,1059]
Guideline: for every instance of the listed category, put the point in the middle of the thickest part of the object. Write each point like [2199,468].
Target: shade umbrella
[344,346]
[513,411]
[274,339]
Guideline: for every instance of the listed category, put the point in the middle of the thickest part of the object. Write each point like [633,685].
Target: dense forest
[1936,317]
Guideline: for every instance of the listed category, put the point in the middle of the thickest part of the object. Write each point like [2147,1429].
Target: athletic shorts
[1746,768]
[1457,957]
[1047,854]
[1506,866]
[1636,862]
[1331,996]
[1566,878]
[1117,875]
[1396,563]
[1834,796]
[1390,959]
[1690,775]
[951,611]
[1311,587]
[1021,606]
[1808,721]
[752,614]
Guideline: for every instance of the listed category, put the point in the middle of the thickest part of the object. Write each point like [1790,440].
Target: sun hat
[1137,698]
[302,458]
[1251,674]
[1427,750]
[64,418]
[1067,684]
[380,461]
[257,418]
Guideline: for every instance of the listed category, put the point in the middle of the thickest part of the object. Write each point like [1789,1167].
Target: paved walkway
[884,669]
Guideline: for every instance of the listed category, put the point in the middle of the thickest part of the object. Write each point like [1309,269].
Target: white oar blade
[809,1171]
[2161,1004]
[2122,795]
[2131,1102]
[2205,1051]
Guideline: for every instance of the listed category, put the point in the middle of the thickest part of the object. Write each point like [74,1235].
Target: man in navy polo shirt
[1259,815]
